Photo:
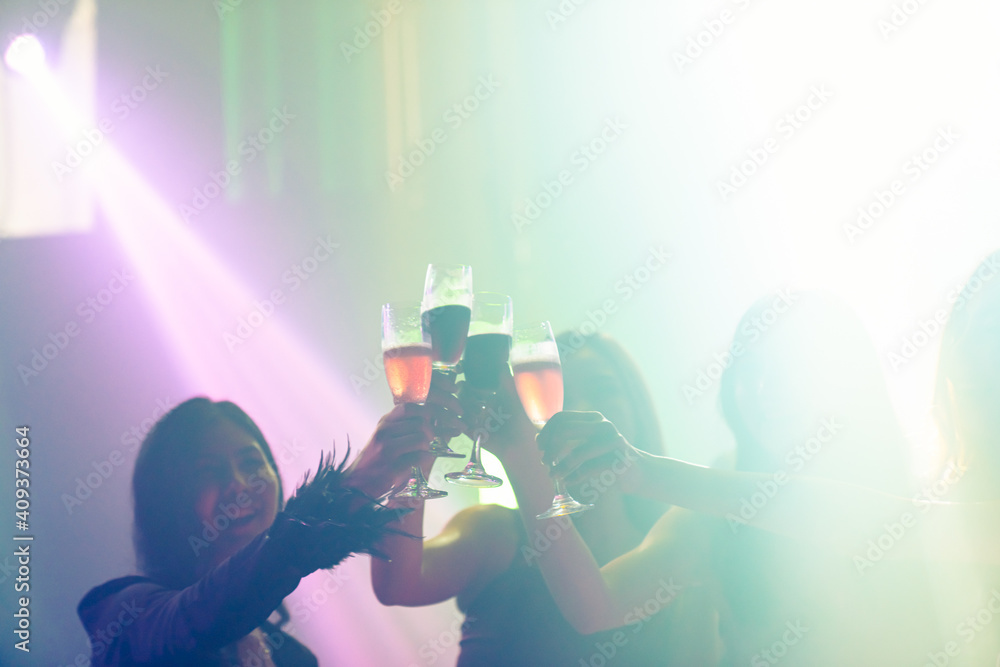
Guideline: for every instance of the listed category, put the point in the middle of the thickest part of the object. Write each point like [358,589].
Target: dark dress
[515,621]
[221,618]
[136,621]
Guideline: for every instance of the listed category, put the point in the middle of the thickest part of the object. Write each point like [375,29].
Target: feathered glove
[326,521]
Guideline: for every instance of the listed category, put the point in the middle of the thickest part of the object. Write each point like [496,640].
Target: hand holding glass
[486,353]
[445,311]
[538,378]
[406,353]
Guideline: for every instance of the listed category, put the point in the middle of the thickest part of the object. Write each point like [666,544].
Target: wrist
[361,481]
[521,451]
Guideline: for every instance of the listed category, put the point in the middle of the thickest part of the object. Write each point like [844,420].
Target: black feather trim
[326,521]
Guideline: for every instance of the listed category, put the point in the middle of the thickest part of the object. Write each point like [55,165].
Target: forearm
[571,573]
[160,624]
[809,508]
[398,580]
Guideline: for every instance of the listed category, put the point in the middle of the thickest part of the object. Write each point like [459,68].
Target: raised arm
[594,598]
[841,515]
[475,545]
[590,597]
[138,621]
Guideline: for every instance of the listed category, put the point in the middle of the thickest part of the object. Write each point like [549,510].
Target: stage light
[25,55]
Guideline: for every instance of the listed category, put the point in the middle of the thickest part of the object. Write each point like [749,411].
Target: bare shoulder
[490,533]
[492,536]
[493,522]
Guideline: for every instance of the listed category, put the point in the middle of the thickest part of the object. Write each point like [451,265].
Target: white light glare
[25,55]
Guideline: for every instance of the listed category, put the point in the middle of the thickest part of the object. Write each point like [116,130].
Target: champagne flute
[446,310]
[486,353]
[539,382]
[406,354]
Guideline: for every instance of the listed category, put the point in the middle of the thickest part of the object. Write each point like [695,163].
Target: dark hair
[164,515]
[972,331]
[823,345]
[647,437]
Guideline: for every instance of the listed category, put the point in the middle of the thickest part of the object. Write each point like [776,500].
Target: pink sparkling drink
[540,387]
[408,370]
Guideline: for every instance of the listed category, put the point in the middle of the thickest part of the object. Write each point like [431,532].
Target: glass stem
[474,456]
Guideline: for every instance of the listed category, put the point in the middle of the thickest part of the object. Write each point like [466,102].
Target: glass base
[426,493]
[474,475]
[563,506]
[440,448]
[416,487]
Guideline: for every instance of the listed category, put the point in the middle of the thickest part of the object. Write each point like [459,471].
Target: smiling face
[234,487]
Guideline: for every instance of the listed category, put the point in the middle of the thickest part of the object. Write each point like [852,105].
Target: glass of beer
[445,311]
[487,352]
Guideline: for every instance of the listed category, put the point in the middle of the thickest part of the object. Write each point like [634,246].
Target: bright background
[349,113]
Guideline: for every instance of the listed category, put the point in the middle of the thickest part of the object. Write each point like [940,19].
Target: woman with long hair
[865,524]
[487,560]
[219,550]
[804,394]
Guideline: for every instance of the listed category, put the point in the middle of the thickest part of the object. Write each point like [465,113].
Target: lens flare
[25,55]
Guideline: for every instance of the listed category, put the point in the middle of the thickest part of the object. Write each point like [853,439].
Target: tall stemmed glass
[538,378]
[486,355]
[406,353]
[446,310]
